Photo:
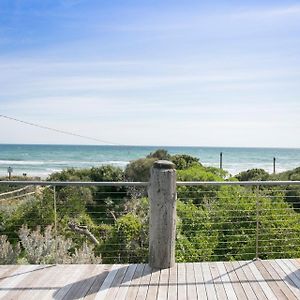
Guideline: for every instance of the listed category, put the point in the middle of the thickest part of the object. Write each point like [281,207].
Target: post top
[163,164]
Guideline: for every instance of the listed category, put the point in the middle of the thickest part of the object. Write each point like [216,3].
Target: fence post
[55,222]
[257,225]
[162,223]
[221,160]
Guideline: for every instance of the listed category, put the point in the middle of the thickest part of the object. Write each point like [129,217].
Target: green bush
[253,175]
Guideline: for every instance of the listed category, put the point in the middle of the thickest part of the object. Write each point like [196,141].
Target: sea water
[41,160]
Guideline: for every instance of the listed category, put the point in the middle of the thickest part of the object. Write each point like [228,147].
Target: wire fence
[108,222]
[234,222]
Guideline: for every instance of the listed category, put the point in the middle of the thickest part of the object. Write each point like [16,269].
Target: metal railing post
[162,221]
[257,230]
[55,222]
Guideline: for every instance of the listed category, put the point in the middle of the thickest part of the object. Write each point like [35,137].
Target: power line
[58,130]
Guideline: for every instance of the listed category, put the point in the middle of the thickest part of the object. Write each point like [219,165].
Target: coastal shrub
[70,174]
[184,161]
[32,211]
[237,218]
[225,228]
[292,196]
[114,197]
[8,253]
[85,255]
[102,173]
[139,170]
[234,215]
[38,247]
[292,193]
[127,241]
[44,248]
[198,194]
[292,175]
[253,175]
[195,241]
[159,154]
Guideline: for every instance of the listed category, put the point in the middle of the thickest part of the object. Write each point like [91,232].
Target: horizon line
[152,146]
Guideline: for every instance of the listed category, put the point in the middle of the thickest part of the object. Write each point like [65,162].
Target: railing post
[162,226]
[55,222]
[257,228]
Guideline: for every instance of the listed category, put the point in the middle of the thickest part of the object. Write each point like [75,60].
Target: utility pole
[274,165]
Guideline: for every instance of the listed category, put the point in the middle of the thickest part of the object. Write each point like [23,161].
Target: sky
[188,73]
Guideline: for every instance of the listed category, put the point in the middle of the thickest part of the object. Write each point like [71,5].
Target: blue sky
[225,73]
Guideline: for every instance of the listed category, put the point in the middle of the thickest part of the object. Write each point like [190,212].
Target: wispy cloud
[269,12]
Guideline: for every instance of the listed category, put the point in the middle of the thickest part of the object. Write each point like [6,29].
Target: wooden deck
[270,279]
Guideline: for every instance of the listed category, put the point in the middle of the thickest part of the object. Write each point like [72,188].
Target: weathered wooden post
[274,165]
[221,160]
[162,227]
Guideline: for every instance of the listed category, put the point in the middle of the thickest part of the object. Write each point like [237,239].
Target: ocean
[41,160]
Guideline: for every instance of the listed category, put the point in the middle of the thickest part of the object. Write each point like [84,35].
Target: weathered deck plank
[48,284]
[102,292]
[200,287]
[172,287]
[281,283]
[209,285]
[271,282]
[221,294]
[243,281]
[153,286]
[144,284]
[270,279]
[115,286]
[11,282]
[264,285]
[181,282]
[121,295]
[226,281]
[135,282]
[237,286]
[191,282]
[286,278]
[75,278]
[26,286]
[253,282]
[162,293]
[100,275]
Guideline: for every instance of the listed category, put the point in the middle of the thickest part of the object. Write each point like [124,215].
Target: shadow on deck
[269,279]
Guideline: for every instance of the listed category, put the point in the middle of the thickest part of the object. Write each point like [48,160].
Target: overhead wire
[59,130]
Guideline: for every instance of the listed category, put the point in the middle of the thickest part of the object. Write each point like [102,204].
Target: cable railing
[108,222]
[240,221]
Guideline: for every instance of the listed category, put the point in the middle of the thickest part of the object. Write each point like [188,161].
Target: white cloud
[41,78]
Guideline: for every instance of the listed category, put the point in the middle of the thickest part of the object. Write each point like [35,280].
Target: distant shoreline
[43,160]
[44,176]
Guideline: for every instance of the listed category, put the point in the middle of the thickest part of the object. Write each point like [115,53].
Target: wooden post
[221,160]
[162,226]
[274,165]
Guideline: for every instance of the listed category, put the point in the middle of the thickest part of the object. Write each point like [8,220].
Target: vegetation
[253,175]
[110,224]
